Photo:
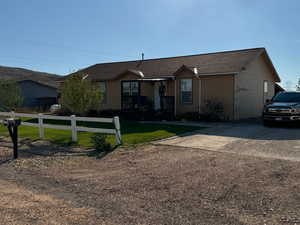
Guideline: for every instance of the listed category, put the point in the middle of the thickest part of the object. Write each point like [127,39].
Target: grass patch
[132,132]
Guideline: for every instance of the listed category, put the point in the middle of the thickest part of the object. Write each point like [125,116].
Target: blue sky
[60,36]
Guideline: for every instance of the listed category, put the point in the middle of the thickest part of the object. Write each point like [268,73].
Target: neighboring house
[38,89]
[241,80]
[37,94]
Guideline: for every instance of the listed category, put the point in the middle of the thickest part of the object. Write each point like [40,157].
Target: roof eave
[276,75]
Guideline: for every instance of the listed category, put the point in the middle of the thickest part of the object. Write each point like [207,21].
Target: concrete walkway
[193,124]
[244,138]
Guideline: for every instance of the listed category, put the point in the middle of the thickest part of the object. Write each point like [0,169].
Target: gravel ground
[150,184]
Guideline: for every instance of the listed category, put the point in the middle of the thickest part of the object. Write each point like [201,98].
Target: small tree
[10,95]
[79,95]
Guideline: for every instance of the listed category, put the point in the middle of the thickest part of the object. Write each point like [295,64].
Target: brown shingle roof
[210,63]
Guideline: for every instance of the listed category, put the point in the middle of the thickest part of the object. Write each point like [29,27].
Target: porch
[147,95]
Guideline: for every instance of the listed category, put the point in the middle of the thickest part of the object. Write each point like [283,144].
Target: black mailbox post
[12,125]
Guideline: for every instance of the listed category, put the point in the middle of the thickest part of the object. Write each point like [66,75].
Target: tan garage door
[219,89]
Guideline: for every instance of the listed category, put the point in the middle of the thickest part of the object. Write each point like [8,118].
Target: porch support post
[200,94]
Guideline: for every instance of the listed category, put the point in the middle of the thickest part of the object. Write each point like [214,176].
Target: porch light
[141,73]
[196,70]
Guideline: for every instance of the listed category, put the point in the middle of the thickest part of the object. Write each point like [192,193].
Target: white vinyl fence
[74,128]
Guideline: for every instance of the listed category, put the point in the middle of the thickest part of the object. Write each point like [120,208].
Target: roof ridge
[48,84]
[183,56]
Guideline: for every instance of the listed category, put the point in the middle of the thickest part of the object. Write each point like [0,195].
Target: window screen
[186,89]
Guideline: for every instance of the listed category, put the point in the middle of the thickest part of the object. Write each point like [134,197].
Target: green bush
[212,111]
[108,113]
[100,143]
[189,116]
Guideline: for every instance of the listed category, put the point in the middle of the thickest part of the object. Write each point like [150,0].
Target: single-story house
[38,94]
[38,89]
[241,80]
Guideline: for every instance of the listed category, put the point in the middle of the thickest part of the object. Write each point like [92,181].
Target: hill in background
[19,74]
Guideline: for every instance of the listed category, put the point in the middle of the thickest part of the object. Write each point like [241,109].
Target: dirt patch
[147,185]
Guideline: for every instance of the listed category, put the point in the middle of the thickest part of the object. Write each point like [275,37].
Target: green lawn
[132,132]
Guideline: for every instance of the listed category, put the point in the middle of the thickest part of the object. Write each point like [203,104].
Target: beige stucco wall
[113,95]
[249,89]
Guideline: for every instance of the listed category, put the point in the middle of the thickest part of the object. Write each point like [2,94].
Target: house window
[186,91]
[130,88]
[103,91]
[266,86]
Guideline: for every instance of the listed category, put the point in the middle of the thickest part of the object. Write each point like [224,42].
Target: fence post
[41,125]
[118,130]
[12,114]
[73,127]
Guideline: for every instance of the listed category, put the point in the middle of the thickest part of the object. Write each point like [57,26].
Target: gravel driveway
[152,184]
[253,139]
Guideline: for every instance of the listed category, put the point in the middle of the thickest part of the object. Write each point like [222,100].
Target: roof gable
[271,66]
[137,73]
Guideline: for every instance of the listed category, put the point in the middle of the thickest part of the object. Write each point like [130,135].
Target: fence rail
[74,128]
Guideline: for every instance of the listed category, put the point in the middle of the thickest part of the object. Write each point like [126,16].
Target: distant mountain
[19,74]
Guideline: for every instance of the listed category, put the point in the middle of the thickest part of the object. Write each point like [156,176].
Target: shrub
[161,115]
[190,116]
[63,112]
[109,113]
[100,143]
[212,111]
